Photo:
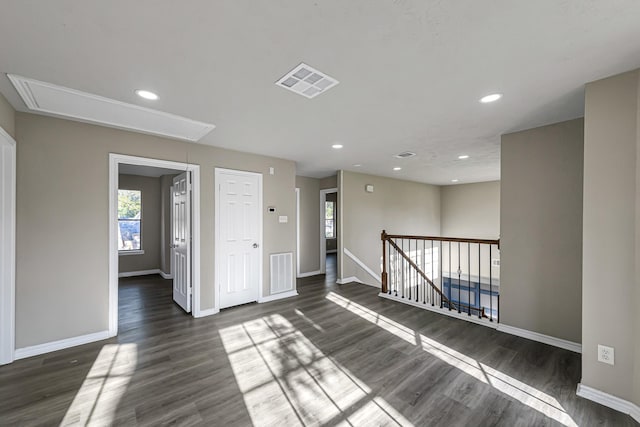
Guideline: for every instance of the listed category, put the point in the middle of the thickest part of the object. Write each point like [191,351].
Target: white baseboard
[609,401]
[205,313]
[35,350]
[165,275]
[446,312]
[281,295]
[311,273]
[347,280]
[139,273]
[546,339]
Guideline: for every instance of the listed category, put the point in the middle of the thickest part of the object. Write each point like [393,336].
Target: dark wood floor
[335,355]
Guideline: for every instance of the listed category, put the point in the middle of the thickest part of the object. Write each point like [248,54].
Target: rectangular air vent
[404,155]
[306,81]
[86,107]
[281,272]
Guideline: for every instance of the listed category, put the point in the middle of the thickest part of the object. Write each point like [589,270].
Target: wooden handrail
[441,239]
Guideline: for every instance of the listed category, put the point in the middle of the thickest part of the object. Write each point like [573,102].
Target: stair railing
[449,273]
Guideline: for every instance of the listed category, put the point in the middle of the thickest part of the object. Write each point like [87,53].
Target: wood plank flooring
[334,355]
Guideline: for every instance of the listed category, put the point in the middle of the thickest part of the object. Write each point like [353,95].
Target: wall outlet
[606,354]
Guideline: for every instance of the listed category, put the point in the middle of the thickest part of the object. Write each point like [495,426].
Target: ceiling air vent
[404,155]
[306,81]
[47,98]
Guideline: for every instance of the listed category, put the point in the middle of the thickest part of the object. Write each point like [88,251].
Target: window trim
[333,218]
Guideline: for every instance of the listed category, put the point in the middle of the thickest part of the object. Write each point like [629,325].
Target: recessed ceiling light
[146,94]
[357,165]
[397,168]
[454,180]
[463,156]
[336,146]
[490,98]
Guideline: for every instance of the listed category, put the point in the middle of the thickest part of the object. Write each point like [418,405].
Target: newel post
[383,237]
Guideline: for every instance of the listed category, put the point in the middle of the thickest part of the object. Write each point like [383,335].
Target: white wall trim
[323,243]
[132,252]
[311,273]
[139,273]
[217,172]
[546,339]
[114,162]
[275,297]
[207,312]
[362,265]
[609,401]
[7,247]
[332,251]
[165,275]
[35,350]
[347,280]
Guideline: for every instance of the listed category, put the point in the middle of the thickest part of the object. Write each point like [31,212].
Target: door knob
[255,245]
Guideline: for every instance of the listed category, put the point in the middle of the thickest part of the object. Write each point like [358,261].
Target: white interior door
[181,242]
[239,237]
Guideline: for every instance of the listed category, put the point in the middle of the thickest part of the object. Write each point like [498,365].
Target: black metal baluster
[402,261]
[424,264]
[441,280]
[490,287]
[432,276]
[409,269]
[479,296]
[469,284]
[450,278]
[459,278]
[395,267]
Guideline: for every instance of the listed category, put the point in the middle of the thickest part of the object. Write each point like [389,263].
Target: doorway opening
[154,229]
[328,228]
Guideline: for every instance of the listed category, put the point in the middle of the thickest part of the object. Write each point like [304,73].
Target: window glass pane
[129,204]
[328,228]
[129,218]
[328,210]
[129,235]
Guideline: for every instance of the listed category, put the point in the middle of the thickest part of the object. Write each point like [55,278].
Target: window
[129,220]
[329,220]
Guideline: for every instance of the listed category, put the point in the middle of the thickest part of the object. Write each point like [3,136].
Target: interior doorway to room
[154,229]
[238,207]
[328,226]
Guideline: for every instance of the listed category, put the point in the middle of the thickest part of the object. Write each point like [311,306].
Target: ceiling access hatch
[51,99]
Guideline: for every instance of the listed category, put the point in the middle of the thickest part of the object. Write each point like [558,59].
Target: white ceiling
[411,71]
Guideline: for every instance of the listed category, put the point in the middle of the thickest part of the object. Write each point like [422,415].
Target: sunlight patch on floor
[286,380]
[506,384]
[97,399]
[385,323]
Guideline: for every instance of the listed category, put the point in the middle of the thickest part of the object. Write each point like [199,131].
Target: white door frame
[7,247]
[114,162]
[323,244]
[297,232]
[218,171]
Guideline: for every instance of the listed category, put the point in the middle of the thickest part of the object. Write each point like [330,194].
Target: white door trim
[297,232]
[114,162]
[217,172]
[7,247]
[323,244]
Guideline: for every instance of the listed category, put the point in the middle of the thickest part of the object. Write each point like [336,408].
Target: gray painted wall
[329,182]
[151,223]
[471,210]
[7,116]
[309,223]
[400,207]
[541,229]
[611,245]
[62,187]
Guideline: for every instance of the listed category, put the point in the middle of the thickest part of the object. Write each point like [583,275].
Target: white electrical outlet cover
[283,219]
[606,354]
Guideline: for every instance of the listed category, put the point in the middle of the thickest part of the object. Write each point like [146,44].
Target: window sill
[133,252]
